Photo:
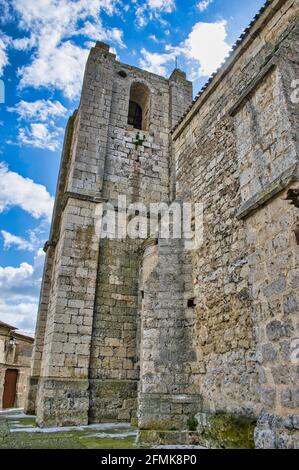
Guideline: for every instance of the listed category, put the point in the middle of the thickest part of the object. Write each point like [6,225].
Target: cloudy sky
[43,49]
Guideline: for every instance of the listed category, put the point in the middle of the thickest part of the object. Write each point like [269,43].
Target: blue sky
[43,48]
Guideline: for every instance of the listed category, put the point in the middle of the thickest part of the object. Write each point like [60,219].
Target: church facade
[193,345]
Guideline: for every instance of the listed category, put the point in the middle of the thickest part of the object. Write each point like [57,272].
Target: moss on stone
[24,422]
[151,437]
[134,422]
[73,439]
[65,440]
[221,430]
[218,430]
[109,443]
[161,425]
[109,389]
[192,423]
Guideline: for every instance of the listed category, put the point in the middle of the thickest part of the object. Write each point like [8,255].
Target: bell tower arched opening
[139,106]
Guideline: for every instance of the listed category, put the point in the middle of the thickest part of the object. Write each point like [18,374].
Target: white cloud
[141,18]
[98,33]
[57,62]
[41,134]
[20,314]
[152,10]
[22,44]
[19,287]
[162,5]
[39,109]
[204,4]
[61,15]
[10,277]
[200,60]
[15,190]
[10,240]
[154,62]
[207,45]
[38,135]
[3,53]
[62,68]
[5,8]
[154,38]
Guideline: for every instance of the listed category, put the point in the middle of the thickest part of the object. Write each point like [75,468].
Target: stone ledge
[62,380]
[161,437]
[81,197]
[211,430]
[288,177]
[173,398]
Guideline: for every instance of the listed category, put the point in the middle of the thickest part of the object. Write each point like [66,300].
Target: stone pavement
[19,431]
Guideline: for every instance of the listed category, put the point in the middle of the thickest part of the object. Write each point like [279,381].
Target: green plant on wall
[138,140]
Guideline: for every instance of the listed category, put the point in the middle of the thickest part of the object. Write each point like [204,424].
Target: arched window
[139,106]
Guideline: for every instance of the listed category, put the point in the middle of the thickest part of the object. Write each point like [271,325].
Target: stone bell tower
[86,355]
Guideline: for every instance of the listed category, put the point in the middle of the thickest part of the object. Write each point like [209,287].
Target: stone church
[192,346]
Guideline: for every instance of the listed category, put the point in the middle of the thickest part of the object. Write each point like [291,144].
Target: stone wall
[88,315]
[141,173]
[268,162]
[15,356]
[168,393]
[114,362]
[238,144]
[48,272]
[197,344]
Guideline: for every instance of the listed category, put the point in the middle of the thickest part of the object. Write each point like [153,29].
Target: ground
[18,431]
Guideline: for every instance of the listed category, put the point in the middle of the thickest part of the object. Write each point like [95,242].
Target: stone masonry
[194,346]
[15,357]
[86,357]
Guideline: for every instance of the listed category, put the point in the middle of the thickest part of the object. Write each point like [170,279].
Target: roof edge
[7,326]
[24,336]
[264,15]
